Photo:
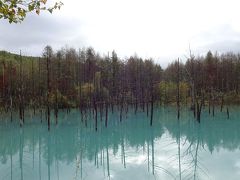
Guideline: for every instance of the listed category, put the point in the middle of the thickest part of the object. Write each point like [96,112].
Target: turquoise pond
[130,149]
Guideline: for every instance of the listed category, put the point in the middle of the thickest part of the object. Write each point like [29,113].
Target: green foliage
[184,91]
[16,10]
[168,91]
[87,90]
[97,81]
[63,101]
[232,98]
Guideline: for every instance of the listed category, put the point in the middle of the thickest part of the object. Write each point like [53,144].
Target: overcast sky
[162,29]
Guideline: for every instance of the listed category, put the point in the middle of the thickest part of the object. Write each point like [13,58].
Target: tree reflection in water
[170,149]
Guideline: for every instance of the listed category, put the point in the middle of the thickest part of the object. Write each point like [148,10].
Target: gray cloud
[155,29]
[219,39]
[220,47]
[38,31]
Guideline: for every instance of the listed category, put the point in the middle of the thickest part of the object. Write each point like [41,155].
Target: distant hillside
[8,56]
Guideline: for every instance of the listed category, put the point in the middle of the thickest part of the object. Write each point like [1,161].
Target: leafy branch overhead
[16,10]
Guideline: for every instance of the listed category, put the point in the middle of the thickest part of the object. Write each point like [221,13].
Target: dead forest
[83,79]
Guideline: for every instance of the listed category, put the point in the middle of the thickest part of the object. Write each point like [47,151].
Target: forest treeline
[70,78]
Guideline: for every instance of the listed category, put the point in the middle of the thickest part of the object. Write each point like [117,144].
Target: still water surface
[130,149]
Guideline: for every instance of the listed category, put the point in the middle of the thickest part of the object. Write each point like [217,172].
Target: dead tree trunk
[178,91]
[96,120]
[222,101]
[48,93]
[151,120]
[106,113]
[21,108]
[227,113]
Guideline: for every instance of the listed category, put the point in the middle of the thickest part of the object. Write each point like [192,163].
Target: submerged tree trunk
[222,101]
[213,104]
[33,89]
[198,112]
[21,104]
[56,92]
[147,108]
[121,108]
[199,106]
[193,99]
[151,120]
[96,113]
[227,113]
[48,93]
[178,91]
[209,104]
[106,114]
[11,91]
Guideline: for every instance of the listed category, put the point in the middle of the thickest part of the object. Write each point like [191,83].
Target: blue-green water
[130,149]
